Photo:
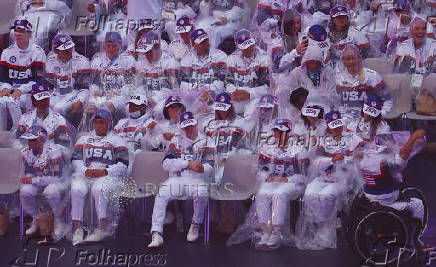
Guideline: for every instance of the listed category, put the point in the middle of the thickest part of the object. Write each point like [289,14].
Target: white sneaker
[264,238]
[59,227]
[193,232]
[274,240]
[33,228]
[97,235]
[156,241]
[78,236]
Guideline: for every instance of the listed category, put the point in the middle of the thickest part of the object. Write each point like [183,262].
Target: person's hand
[240,95]
[76,106]
[221,21]
[337,157]
[301,47]
[277,179]
[205,96]
[95,173]
[168,136]
[26,180]
[16,94]
[196,166]
[5,92]
[152,125]
[418,134]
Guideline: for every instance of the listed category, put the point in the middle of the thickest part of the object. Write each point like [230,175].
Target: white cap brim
[340,14]
[246,44]
[281,128]
[200,39]
[41,96]
[222,106]
[265,105]
[29,136]
[311,112]
[373,112]
[138,102]
[335,124]
[187,123]
[183,29]
[144,49]
[66,46]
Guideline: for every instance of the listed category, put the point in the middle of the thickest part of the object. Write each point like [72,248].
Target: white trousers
[51,192]
[179,188]
[80,187]
[13,107]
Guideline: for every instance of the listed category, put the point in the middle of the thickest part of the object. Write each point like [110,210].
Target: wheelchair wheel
[412,192]
[381,237]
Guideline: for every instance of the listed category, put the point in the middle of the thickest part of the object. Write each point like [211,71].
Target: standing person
[99,158]
[70,74]
[43,173]
[21,63]
[190,163]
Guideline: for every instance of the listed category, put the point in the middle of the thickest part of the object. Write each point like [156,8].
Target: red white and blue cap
[187,119]
[373,105]
[283,125]
[198,36]
[339,10]
[138,99]
[401,5]
[184,24]
[223,102]
[62,41]
[103,114]
[173,100]
[145,24]
[40,91]
[113,37]
[34,132]
[311,110]
[22,24]
[334,119]
[147,41]
[267,101]
[244,39]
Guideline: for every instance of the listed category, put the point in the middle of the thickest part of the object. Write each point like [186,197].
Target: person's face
[35,145]
[174,112]
[350,62]
[42,105]
[312,120]
[202,49]
[366,117]
[101,127]
[293,27]
[64,55]
[336,131]
[190,131]
[281,137]
[418,31]
[154,54]
[313,65]
[340,22]
[222,115]
[22,36]
[249,52]
[265,114]
[111,49]
[185,36]
[134,107]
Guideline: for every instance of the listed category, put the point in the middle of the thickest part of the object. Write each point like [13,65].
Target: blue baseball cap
[34,132]
[334,119]
[317,33]
[187,119]
[244,39]
[223,101]
[373,105]
[147,41]
[401,5]
[283,125]
[173,100]
[22,24]
[113,37]
[267,101]
[62,41]
[40,91]
[184,24]
[339,10]
[198,36]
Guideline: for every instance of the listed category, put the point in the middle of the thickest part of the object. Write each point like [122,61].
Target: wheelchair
[382,235]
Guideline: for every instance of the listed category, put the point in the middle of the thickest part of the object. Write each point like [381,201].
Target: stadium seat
[380,65]
[429,83]
[5,141]
[398,86]
[12,169]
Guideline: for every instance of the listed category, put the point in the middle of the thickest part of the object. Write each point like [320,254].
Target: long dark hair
[375,122]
